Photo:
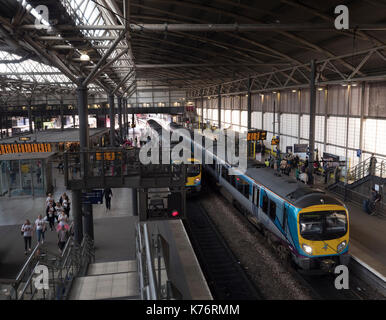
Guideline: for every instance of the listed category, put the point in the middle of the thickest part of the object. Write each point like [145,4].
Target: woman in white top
[62,217]
[26,231]
[40,227]
[49,199]
[51,214]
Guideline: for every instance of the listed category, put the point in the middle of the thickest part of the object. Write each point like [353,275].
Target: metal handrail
[72,262]
[150,267]
[147,250]
[23,269]
[357,198]
[362,169]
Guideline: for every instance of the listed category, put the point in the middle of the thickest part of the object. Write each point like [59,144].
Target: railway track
[226,278]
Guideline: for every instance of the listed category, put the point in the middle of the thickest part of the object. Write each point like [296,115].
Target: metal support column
[132,122]
[202,108]
[326,105]
[363,92]
[30,117]
[312,118]
[84,145]
[120,118]
[112,120]
[299,93]
[61,115]
[219,107]
[1,125]
[124,117]
[6,123]
[77,215]
[249,105]
[347,130]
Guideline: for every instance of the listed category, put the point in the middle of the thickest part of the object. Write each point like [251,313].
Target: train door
[255,200]
[280,212]
[263,207]
[284,225]
[218,170]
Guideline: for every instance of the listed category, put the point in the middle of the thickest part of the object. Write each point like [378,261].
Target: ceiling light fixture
[84,57]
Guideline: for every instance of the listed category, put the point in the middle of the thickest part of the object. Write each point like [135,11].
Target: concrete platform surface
[110,286]
[112,267]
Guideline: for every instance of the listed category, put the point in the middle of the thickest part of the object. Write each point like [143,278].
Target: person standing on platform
[108,194]
[40,228]
[262,150]
[337,174]
[50,213]
[373,164]
[26,231]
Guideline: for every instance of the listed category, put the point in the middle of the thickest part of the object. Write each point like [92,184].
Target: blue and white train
[305,225]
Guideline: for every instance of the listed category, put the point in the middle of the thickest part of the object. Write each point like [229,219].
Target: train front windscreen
[323,225]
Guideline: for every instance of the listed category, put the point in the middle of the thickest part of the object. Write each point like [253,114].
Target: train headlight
[197,180]
[341,246]
[307,249]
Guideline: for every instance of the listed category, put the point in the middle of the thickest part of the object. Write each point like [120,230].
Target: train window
[193,170]
[256,192]
[224,172]
[265,204]
[285,209]
[242,186]
[230,178]
[272,210]
[233,180]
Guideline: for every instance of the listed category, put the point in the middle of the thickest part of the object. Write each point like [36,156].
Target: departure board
[256,135]
[24,148]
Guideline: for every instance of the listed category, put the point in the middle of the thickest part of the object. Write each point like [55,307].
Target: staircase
[62,270]
[364,169]
[360,180]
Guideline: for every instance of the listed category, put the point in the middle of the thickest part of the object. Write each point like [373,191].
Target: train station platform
[55,135]
[367,234]
[114,273]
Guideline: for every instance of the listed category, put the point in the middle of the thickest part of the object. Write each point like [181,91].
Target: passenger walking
[373,164]
[26,231]
[63,232]
[40,228]
[49,198]
[297,173]
[108,194]
[51,214]
[62,217]
[65,202]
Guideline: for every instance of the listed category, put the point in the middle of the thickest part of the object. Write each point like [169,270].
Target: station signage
[275,141]
[256,135]
[300,148]
[24,148]
[93,197]
[110,156]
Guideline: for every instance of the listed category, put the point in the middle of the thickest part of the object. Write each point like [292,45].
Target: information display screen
[25,148]
[256,135]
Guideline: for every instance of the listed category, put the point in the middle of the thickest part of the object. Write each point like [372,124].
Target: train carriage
[307,226]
